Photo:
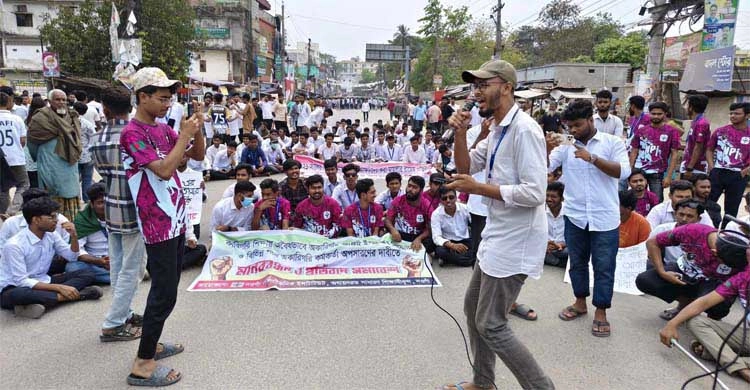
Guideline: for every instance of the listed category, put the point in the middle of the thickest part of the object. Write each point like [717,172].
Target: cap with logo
[156,77]
[490,69]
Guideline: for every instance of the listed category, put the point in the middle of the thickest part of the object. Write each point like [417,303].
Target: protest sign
[191,190]
[313,166]
[296,259]
[631,261]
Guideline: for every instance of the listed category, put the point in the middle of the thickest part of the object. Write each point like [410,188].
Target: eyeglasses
[484,84]
[449,197]
[163,100]
[350,175]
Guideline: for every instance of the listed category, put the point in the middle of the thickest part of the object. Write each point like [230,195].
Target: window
[615,89]
[24,20]
[592,70]
[203,66]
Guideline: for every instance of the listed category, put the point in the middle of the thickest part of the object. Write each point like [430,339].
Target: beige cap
[490,69]
[156,77]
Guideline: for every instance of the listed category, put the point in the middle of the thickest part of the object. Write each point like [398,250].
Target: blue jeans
[127,261]
[101,275]
[85,171]
[601,248]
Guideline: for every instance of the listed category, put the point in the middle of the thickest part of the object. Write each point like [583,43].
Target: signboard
[631,261]
[50,64]
[384,53]
[212,32]
[719,24]
[191,189]
[313,166]
[709,71]
[437,79]
[260,61]
[278,68]
[298,260]
[678,49]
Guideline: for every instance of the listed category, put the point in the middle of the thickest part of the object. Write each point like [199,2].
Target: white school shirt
[95,244]
[446,228]
[226,213]
[315,117]
[384,198]
[411,156]
[344,195]
[12,129]
[591,196]
[222,160]
[555,225]
[234,123]
[671,253]
[664,213]
[16,223]
[266,109]
[514,239]
[229,192]
[326,152]
[308,149]
[613,125]
[26,258]
[303,114]
[476,203]
[212,151]
[392,154]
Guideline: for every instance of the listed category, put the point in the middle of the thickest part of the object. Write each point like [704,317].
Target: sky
[342,28]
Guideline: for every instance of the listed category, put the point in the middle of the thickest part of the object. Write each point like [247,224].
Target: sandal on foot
[160,377]
[458,386]
[523,311]
[668,314]
[135,320]
[121,333]
[570,313]
[168,350]
[597,331]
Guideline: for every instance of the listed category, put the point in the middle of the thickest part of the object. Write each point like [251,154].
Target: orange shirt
[634,231]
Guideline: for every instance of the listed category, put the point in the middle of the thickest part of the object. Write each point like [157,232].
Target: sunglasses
[449,197]
[351,175]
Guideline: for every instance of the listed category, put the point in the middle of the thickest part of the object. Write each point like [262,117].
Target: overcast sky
[343,27]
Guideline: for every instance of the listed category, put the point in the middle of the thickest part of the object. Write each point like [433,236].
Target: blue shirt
[256,158]
[420,112]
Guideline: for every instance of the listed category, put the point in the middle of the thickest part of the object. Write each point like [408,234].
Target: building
[265,28]
[595,77]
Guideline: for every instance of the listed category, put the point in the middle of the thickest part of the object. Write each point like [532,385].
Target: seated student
[393,182]
[275,156]
[293,140]
[255,157]
[450,231]
[16,223]
[315,139]
[25,286]
[408,218]
[366,151]
[346,194]
[557,250]
[664,212]
[195,253]
[347,152]
[328,150]
[272,211]
[698,273]
[686,212]
[235,213]
[292,187]
[445,162]
[412,153]
[273,135]
[634,228]
[332,176]
[379,145]
[304,147]
[391,152]
[365,217]
[242,173]
[432,195]
[245,140]
[214,149]
[702,185]
[224,163]
[318,213]
[646,199]
[93,237]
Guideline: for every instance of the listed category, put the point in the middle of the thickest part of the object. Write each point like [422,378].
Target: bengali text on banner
[312,166]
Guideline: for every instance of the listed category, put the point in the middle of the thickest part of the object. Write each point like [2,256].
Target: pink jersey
[407,218]
[698,262]
[654,147]
[434,201]
[731,148]
[323,219]
[273,216]
[699,133]
[736,286]
[159,203]
[644,205]
[361,221]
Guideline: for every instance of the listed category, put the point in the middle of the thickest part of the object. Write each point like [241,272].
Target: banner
[678,49]
[631,261]
[191,190]
[313,166]
[296,260]
[709,71]
[719,24]
[50,64]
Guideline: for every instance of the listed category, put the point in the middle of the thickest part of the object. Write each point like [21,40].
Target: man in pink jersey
[318,213]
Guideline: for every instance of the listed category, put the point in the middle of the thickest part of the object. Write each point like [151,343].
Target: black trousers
[269,123]
[12,296]
[649,282]
[194,257]
[732,184]
[452,257]
[164,265]
[218,175]
[281,125]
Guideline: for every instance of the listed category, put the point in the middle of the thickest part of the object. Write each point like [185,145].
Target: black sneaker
[34,311]
[91,292]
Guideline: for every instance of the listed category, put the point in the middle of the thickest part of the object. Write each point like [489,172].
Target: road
[344,339]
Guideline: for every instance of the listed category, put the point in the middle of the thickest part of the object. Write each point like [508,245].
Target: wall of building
[593,76]
[217,65]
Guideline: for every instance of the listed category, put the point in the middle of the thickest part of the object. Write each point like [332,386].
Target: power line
[345,23]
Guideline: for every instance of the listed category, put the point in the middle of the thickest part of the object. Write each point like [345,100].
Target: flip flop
[458,386]
[668,314]
[169,350]
[572,310]
[160,377]
[596,329]
[521,310]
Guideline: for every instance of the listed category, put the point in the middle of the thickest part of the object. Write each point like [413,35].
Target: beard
[655,121]
[486,113]
[411,197]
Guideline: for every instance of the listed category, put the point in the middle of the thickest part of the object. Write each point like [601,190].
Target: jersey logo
[326,215]
[663,138]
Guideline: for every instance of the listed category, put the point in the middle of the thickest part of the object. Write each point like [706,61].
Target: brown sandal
[570,313]
[121,333]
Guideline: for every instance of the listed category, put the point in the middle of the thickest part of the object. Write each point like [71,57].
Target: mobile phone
[568,140]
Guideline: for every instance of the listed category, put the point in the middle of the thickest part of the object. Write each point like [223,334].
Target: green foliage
[166,28]
[630,49]
[582,59]
[368,76]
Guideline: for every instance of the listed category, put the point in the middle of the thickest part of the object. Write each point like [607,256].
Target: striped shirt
[119,209]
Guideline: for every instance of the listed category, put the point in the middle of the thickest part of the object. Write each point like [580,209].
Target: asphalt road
[344,339]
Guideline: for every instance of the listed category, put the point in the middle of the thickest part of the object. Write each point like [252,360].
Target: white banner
[191,189]
[631,261]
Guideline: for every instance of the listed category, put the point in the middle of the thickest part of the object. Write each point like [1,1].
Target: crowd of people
[544,197]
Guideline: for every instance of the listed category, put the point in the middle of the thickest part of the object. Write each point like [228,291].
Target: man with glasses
[665,212]
[450,231]
[347,194]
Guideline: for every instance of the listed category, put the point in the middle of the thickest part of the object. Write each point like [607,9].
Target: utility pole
[406,73]
[437,48]
[653,65]
[283,29]
[309,61]
[497,53]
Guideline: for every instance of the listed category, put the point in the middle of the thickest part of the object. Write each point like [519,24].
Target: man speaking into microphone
[512,152]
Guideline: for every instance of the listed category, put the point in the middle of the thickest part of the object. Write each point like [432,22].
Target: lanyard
[390,153]
[637,123]
[277,215]
[497,145]
[349,198]
[365,226]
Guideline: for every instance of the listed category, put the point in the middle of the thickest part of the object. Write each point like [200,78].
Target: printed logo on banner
[663,138]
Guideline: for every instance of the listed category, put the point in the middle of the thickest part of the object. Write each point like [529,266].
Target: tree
[631,49]
[368,76]
[81,37]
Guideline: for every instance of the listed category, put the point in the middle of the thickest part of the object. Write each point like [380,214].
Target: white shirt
[317,142]
[671,253]
[412,156]
[222,160]
[229,192]
[515,237]
[391,154]
[555,226]
[476,203]
[212,151]
[26,258]
[315,117]
[664,213]
[92,115]
[12,129]
[384,198]
[267,109]
[612,125]
[88,130]
[735,226]
[307,150]
[22,111]
[225,213]
[98,107]
[328,187]
[475,118]
[234,122]
[365,107]
[450,228]
[591,196]
[344,195]
[326,152]
[95,244]
[16,223]
[176,111]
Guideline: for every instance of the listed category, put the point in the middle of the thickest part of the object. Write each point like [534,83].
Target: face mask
[61,111]
[247,202]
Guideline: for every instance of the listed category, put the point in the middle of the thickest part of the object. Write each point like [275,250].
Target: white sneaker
[29,311]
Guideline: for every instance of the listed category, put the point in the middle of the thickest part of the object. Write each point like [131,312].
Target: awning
[558,94]
[217,83]
[530,93]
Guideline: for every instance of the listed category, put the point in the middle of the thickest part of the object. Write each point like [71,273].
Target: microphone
[467,107]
